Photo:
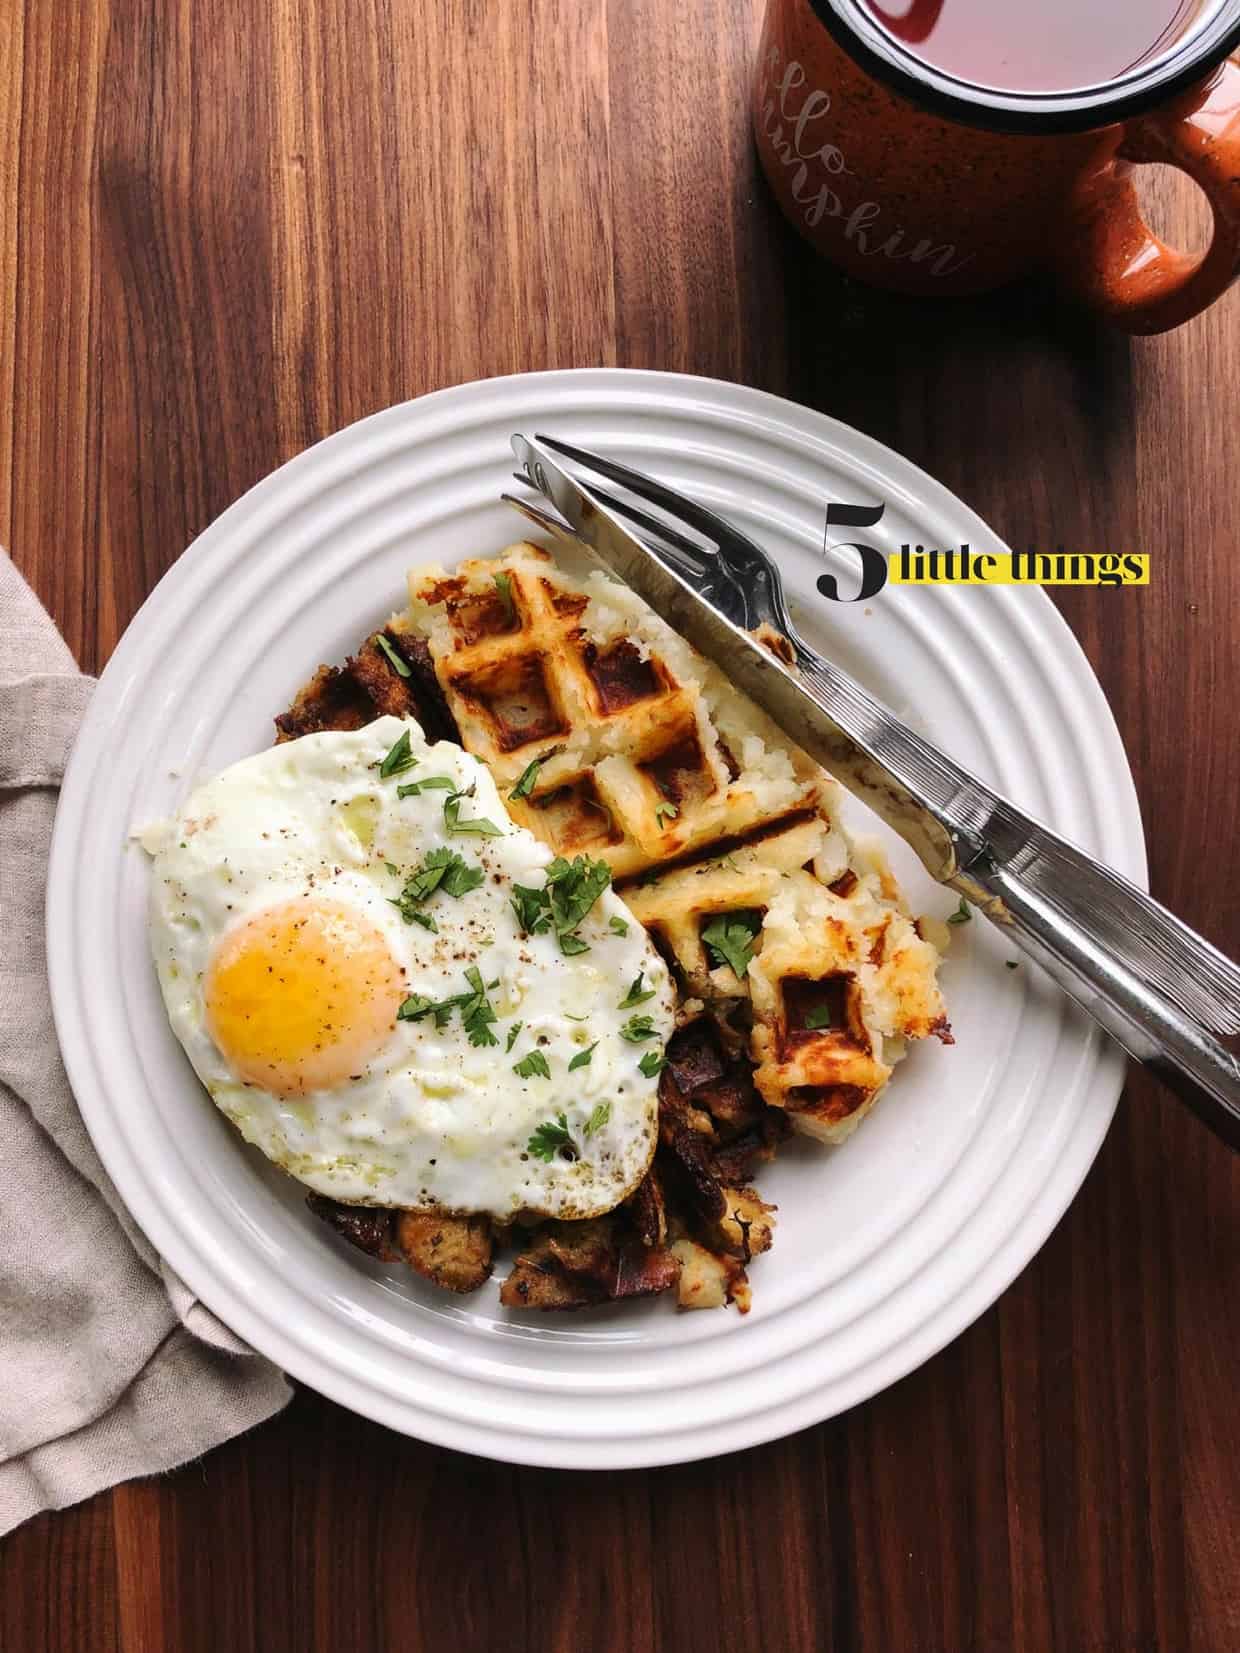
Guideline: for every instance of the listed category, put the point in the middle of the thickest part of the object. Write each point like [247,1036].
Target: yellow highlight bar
[919,565]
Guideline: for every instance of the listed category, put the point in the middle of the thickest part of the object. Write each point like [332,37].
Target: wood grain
[226,230]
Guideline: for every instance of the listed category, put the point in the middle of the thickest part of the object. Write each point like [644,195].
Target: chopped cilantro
[617,925]
[552,1138]
[398,759]
[512,1035]
[530,906]
[480,827]
[730,937]
[415,1007]
[571,889]
[533,1064]
[582,1058]
[638,1028]
[444,870]
[460,877]
[432,783]
[652,1063]
[819,1016]
[665,812]
[962,915]
[637,994]
[598,1118]
[477,1013]
[529,775]
[1011,964]
[503,587]
[425,920]
[390,655]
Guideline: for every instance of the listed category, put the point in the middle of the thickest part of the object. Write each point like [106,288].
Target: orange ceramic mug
[913,177]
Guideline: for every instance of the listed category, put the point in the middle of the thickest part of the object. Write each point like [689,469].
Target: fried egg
[341,928]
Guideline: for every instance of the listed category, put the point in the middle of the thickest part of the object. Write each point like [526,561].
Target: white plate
[887,1247]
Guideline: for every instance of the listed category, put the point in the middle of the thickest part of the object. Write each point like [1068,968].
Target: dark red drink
[1036,45]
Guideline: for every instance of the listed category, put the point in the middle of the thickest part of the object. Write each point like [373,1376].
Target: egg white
[433,1121]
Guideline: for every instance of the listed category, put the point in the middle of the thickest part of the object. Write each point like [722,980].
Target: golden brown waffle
[649,758]
[647,752]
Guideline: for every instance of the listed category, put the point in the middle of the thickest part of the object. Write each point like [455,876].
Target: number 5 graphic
[873,562]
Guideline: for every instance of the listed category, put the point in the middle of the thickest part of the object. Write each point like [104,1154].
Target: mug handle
[1119,266]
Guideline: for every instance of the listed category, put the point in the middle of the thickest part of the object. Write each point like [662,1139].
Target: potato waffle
[645,755]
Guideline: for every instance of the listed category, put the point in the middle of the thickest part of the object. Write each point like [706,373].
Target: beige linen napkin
[111,1367]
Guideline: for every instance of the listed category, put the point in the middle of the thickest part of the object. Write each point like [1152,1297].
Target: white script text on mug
[788,131]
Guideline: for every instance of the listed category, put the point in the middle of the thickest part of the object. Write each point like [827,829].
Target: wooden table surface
[229,229]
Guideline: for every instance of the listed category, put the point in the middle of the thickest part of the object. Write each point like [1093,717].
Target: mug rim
[1080,109]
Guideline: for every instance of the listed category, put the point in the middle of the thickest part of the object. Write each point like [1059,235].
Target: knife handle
[1188,1059]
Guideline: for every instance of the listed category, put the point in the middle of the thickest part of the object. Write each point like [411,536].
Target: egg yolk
[302,995]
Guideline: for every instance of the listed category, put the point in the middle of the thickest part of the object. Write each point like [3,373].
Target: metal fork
[1144,974]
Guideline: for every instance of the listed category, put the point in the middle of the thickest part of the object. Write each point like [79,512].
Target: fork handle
[1188,1060]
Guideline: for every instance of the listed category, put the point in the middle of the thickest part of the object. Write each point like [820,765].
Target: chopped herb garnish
[460,877]
[432,783]
[415,1007]
[395,871]
[398,759]
[598,1118]
[652,1063]
[729,861]
[529,775]
[817,1017]
[512,1034]
[503,587]
[444,870]
[530,906]
[665,812]
[617,925]
[571,889]
[637,994]
[568,1017]
[533,1064]
[1011,964]
[425,920]
[552,1138]
[730,938]
[480,827]
[638,1028]
[390,655]
[582,1058]
[476,1011]
[962,915]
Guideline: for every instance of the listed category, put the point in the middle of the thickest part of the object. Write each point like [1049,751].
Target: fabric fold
[112,1367]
